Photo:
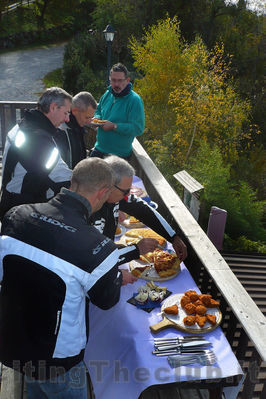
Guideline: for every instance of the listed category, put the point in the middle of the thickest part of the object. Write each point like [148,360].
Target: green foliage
[187,86]
[54,78]
[244,211]
[84,58]
[242,244]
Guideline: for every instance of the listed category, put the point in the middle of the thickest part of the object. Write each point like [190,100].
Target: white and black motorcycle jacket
[106,219]
[51,260]
[33,170]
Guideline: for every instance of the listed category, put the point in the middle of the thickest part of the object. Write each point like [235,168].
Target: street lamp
[109,33]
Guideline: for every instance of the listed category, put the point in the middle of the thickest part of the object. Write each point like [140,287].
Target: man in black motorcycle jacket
[33,170]
[52,258]
[120,199]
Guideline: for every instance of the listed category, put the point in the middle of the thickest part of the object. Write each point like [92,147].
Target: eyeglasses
[125,192]
[117,80]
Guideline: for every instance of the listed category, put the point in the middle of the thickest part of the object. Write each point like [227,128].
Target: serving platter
[123,230]
[176,321]
[126,223]
[150,274]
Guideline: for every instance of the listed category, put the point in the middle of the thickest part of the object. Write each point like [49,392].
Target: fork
[204,359]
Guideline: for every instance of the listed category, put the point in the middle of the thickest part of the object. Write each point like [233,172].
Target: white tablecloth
[119,352]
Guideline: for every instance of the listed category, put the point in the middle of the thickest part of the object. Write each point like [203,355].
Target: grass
[53,78]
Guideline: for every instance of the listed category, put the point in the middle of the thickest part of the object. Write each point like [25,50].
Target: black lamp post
[109,33]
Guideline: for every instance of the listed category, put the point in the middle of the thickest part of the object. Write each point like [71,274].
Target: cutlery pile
[186,350]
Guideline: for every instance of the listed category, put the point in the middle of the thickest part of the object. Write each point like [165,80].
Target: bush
[84,64]
[242,244]
[244,211]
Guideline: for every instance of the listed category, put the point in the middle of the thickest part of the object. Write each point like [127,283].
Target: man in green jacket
[123,112]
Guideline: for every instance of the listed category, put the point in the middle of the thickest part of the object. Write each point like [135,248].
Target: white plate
[178,319]
[123,230]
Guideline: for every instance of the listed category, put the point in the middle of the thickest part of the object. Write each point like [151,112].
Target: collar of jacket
[36,117]
[79,198]
[123,93]
[74,124]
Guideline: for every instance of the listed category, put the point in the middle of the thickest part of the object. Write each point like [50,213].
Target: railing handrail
[242,305]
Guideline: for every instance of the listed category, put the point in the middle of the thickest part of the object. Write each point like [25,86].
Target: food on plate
[139,270]
[211,318]
[190,308]
[154,292]
[133,220]
[198,309]
[184,301]
[118,230]
[136,191]
[145,233]
[194,297]
[96,120]
[205,299]
[132,241]
[201,320]
[198,302]
[214,303]
[154,296]
[189,320]
[171,310]
[189,292]
[142,297]
[201,310]
[165,264]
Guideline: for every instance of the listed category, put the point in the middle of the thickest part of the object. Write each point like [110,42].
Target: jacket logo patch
[53,221]
[100,246]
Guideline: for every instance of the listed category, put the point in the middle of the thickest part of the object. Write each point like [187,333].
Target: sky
[255,5]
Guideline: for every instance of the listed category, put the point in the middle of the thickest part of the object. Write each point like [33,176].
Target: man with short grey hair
[53,262]
[70,138]
[106,219]
[33,170]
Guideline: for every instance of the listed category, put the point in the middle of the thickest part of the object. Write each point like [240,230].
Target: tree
[188,95]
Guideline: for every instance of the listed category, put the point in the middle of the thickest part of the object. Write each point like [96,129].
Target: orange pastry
[198,302]
[190,292]
[171,310]
[189,320]
[194,297]
[205,299]
[211,318]
[213,304]
[201,310]
[184,301]
[190,308]
[201,320]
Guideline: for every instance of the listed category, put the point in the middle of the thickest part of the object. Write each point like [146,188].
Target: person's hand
[147,245]
[108,125]
[180,248]
[127,277]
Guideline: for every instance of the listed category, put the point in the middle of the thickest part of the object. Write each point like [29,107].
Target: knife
[185,338]
[178,352]
[184,345]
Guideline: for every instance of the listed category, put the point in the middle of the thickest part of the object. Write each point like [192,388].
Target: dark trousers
[100,154]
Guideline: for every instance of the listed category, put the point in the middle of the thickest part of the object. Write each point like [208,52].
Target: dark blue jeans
[71,385]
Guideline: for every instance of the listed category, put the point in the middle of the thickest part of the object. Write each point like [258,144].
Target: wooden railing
[243,323]
[10,113]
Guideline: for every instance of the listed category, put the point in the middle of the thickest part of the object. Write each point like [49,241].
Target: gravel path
[21,72]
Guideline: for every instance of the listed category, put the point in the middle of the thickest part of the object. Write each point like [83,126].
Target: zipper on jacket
[57,322]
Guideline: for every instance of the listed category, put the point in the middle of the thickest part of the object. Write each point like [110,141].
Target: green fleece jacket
[128,113]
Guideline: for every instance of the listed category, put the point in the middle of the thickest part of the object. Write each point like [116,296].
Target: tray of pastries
[159,265]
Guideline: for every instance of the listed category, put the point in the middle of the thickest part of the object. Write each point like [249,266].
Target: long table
[119,351]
